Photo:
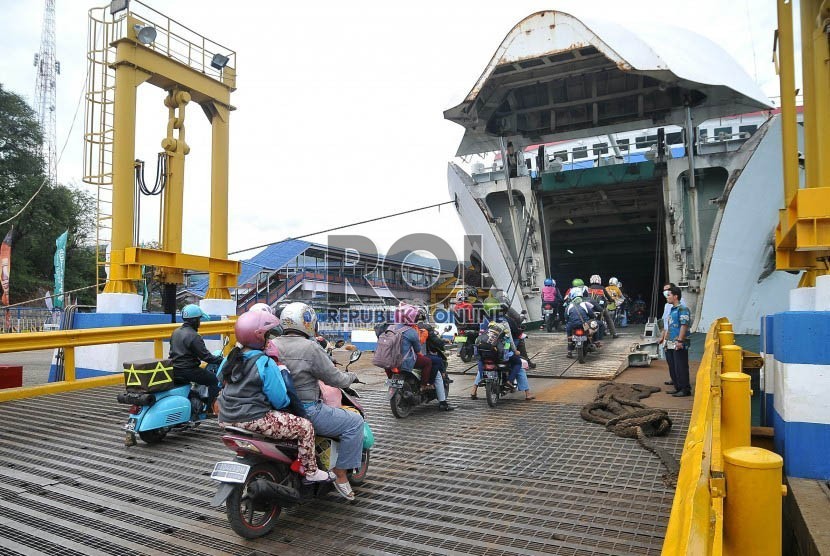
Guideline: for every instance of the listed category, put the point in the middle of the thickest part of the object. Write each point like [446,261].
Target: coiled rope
[617,407]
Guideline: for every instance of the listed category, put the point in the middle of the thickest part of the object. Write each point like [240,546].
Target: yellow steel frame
[720,422]
[134,64]
[71,339]
[802,238]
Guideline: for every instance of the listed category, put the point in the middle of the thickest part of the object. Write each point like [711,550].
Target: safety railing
[728,496]
[71,339]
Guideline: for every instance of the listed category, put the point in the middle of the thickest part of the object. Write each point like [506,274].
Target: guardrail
[71,339]
[728,496]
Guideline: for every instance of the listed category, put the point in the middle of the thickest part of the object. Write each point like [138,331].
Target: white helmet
[596,279]
[299,317]
[264,307]
[613,281]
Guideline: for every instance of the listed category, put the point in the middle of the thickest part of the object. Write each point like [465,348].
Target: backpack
[388,353]
[295,406]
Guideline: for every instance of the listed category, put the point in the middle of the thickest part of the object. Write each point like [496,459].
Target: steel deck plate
[549,352]
[523,478]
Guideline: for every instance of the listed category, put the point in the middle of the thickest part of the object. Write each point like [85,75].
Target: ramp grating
[549,352]
[518,479]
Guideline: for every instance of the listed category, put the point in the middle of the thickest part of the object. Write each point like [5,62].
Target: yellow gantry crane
[127,50]
[802,238]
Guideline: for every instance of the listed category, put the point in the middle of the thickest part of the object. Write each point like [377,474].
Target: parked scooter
[266,475]
[157,404]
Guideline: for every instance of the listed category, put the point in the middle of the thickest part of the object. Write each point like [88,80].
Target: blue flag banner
[60,267]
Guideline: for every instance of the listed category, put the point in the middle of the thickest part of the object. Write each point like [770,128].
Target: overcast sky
[339,103]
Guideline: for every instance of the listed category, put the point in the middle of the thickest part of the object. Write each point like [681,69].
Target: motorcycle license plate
[491,375]
[394,382]
[461,339]
[130,426]
[579,339]
[230,472]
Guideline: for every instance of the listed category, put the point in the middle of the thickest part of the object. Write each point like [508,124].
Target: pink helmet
[406,314]
[261,307]
[251,327]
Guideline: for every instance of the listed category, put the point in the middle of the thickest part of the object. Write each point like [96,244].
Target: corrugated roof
[272,257]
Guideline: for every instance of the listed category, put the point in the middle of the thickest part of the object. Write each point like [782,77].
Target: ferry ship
[635,160]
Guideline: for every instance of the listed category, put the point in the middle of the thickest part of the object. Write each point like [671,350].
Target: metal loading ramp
[548,351]
[524,478]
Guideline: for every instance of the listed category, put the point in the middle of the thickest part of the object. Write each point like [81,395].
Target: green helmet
[577,282]
[491,304]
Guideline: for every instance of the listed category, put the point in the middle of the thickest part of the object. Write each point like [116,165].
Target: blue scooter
[156,409]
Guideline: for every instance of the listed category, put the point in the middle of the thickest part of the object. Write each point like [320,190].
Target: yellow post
[158,348]
[732,358]
[726,338]
[811,125]
[217,289]
[69,364]
[736,411]
[820,92]
[786,70]
[752,509]
[127,79]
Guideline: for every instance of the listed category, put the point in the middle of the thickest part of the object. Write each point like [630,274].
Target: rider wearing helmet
[601,301]
[255,396]
[308,364]
[514,319]
[551,296]
[496,322]
[613,291]
[577,284]
[187,350]
[578,313]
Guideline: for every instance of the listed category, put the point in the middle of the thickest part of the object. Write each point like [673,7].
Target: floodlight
[569,222]
[145,34]
[569,251]
[219,61]
[118,5]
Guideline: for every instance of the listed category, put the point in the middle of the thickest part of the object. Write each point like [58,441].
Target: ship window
[702,134]
[623,144]
[674,138]
[561,155]
[600,148]
[748,129]
[645,141]
[580,152]
[726,131]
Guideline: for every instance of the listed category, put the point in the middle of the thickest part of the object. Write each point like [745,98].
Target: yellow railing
[704,521]
[71,339]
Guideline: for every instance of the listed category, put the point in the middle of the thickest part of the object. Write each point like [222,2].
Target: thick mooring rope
[617,407]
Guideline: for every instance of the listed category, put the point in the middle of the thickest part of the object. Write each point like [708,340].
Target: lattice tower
[48,69]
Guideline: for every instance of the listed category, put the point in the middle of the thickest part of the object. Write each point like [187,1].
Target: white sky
[339,103]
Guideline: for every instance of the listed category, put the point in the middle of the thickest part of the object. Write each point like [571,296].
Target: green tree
[54,210]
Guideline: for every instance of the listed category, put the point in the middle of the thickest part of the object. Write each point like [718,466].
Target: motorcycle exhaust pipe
[267,491]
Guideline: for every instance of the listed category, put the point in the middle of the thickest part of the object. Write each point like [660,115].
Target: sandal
[528,398]
[345,490]
[473,396]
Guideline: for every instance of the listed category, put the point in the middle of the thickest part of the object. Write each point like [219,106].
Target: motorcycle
[583,339]
[266,476]
[157,404]
[466,340]
[552,317]
[495,380]
[405,391]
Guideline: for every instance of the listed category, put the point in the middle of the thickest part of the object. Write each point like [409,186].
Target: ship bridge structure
[635,142]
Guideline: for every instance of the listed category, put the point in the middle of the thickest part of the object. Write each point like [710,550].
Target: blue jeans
[336,422]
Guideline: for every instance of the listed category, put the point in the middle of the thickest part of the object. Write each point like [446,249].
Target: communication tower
[48,69]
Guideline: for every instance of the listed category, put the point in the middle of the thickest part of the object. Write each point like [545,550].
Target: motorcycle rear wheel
[580,353]
[491,389]
[358,475]
[466,354]
[400,407]
[549,323]
[249,520]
